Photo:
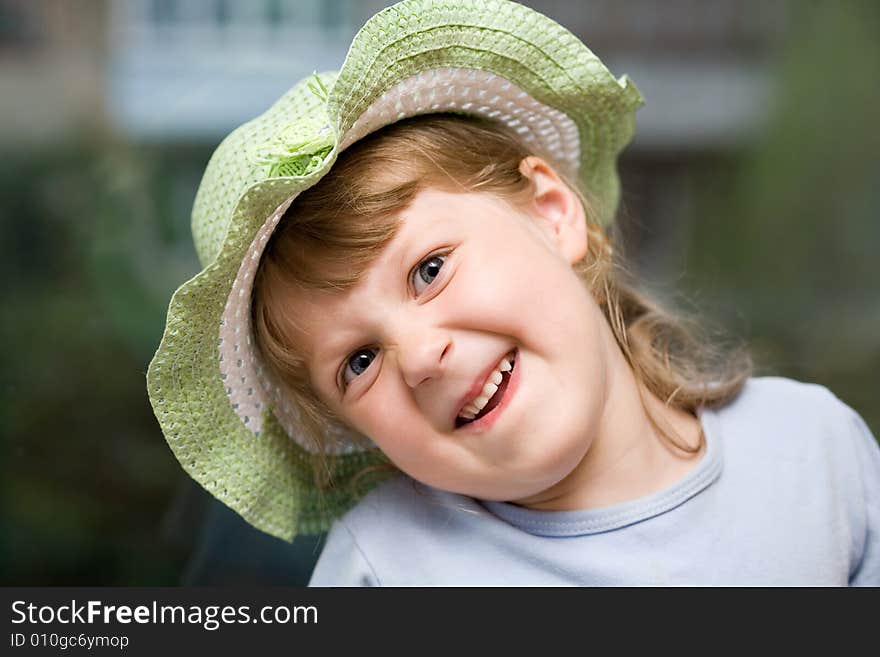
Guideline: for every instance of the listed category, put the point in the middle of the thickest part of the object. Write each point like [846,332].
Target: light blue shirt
[787,493]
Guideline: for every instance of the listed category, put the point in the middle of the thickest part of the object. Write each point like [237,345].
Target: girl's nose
[423,356]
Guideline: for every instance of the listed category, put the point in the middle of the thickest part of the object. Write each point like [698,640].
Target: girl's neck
[628,458]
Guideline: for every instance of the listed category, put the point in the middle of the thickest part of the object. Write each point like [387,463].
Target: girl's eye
[357,364]
[427,270]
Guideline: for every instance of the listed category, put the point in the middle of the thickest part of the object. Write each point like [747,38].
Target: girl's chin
[541,491]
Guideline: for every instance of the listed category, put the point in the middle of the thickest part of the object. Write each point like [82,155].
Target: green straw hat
[220,409]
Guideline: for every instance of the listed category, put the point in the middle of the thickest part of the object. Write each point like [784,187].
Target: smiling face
[467,280]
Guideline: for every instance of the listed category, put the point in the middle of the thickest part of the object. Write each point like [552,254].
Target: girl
[412,323]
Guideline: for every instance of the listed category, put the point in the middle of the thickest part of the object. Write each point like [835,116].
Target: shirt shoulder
[786,413]
[402,501]
[396,535]
[786,421]
[775,394]
[805,451]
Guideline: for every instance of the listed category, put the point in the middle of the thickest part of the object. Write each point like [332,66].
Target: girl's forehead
[434,211]
[435,220]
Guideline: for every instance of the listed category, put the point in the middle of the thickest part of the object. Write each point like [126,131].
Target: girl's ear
[556,209]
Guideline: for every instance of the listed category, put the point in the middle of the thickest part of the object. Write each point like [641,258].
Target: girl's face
[467,280]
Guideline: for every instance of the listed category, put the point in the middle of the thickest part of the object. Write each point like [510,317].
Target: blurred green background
[762,215]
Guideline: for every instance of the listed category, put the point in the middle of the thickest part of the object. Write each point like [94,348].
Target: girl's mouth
[470,415]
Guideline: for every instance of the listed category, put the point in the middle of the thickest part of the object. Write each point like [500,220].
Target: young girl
[413,324]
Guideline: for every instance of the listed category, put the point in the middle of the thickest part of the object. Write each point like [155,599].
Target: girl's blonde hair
[333,231]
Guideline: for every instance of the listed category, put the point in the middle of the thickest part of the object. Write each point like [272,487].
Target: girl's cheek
[384,407]
[516,281]
[488,278]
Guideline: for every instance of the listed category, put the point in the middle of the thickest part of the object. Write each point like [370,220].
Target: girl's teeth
[472,408]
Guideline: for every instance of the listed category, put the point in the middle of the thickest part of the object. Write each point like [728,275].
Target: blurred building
[187,71]
[52,80]
[191,69]
[195,68]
